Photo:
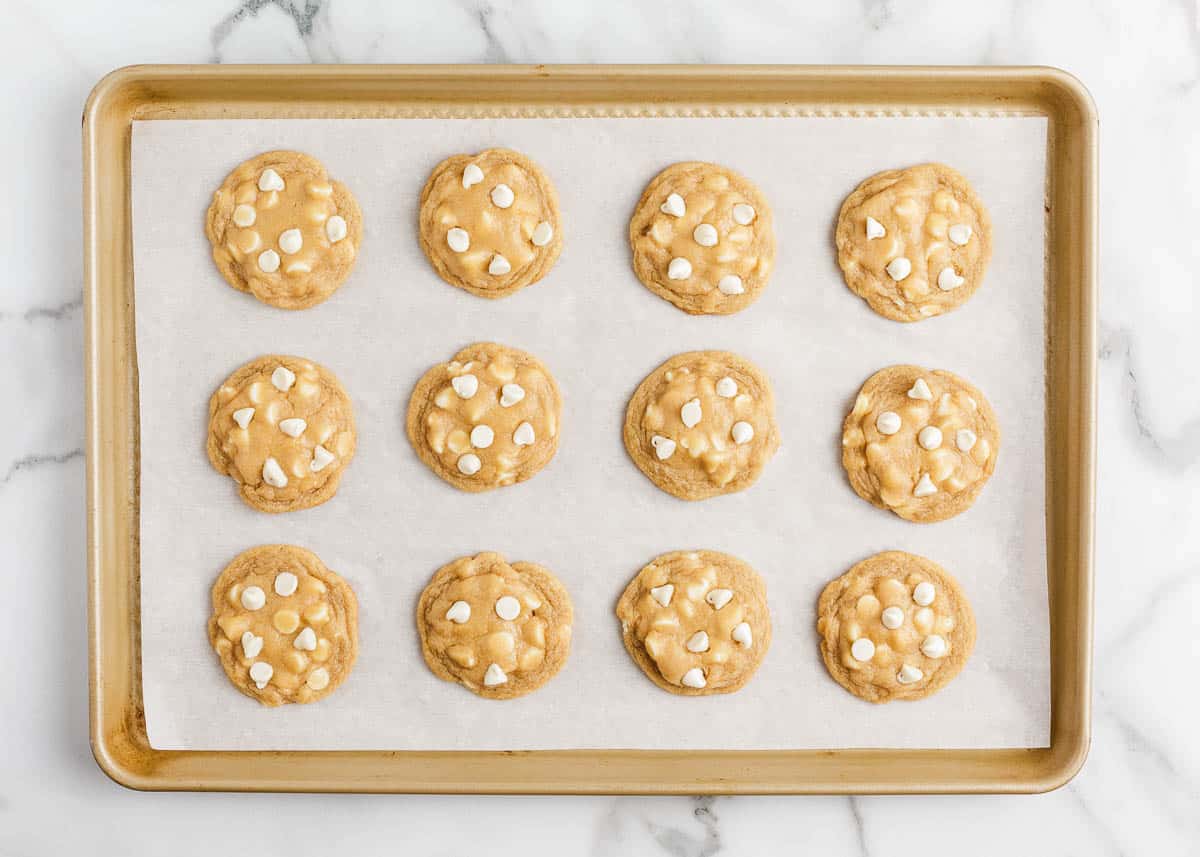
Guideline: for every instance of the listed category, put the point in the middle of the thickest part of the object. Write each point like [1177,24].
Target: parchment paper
[590,516]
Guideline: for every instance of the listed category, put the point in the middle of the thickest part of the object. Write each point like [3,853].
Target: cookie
[488,418]
[283,429]
[499,630]
[284,626]
[895,626]
[489,223]
[914,243]
[702,238]
[702,424]
[284,231]
[696,622]
[920,442]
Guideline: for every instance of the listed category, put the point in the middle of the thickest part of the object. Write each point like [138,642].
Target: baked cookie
[489,223]
[919,442]
[895,626]
[696,622]
[914,243]
[702,424]
[283,429]
[497,629]
[490,417]
[284,626]
[284,231]
[703,239]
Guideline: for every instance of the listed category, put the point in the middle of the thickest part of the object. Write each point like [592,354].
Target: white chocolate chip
[673,206]
[909,674]
[306,640]
[694,678]
[930,437]
[960,233]
[718,598]
[244,215]
[899,268]
[471,175]
[318,679]
[482,436]
[742,634]
[465,385]
[948,280]
[524,435]
[469,464]
[494,676]
[242,416]
[925,486]
[290,241]
[502,196]
[508,608]
[888,422]
[662,594]
[742,432]
[321,458]
[934,646]
[964,439]
[459,612]
[268,261]
[253,598]
[892,618]
[335,228]
[270,180]
[920,390]
[698,642]
[705,234]
[679,269]
[293,426]
[874,229]
[510,394]
[664,447]
[283,378]
[542,234]
[727,388]
[730,284]
[260,673]
[499,266]
[251,644]
[273,474]
[924,593]
[458,240]
[690,413]
[862,649]
[743,214]
[286,583]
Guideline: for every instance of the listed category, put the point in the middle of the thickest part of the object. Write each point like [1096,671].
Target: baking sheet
[590,516]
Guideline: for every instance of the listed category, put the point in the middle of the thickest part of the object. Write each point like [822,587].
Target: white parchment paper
[590,516]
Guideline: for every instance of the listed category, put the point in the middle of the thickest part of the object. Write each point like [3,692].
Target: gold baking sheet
[276,92]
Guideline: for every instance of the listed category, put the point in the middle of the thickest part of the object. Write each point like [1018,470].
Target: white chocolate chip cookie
[284,626]
[919,442]
[702,424]
[497,629]
[488,418]
[895,626]
[914,243]
[489,223]
[703,239]
[284,231]
[283,429]
[696,622]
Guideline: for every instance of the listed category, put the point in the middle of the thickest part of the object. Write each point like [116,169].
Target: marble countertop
[1139,791]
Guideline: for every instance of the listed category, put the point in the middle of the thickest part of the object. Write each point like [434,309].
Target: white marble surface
[1140,789]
